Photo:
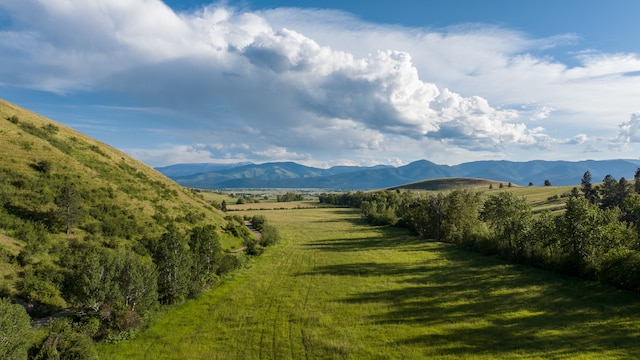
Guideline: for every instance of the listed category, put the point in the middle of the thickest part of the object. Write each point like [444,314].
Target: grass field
[335,288]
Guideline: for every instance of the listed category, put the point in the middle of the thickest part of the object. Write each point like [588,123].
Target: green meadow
[336,288]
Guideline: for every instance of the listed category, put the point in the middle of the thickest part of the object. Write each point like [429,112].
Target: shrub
[229,263]
[65,343]
[270,235]
[622,269]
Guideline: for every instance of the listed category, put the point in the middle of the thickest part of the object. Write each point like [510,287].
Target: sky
[327,83]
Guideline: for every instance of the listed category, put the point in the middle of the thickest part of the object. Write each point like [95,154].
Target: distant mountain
[198,168]
[293,175]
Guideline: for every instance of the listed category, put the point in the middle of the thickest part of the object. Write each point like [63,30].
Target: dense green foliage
[86,229]
[290,196]
[596,236]
[14,331]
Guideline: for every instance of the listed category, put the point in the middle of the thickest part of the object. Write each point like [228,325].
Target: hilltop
[448,184]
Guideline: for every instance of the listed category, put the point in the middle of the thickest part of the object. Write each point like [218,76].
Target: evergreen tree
[68,203]
[588,190]
[636,179]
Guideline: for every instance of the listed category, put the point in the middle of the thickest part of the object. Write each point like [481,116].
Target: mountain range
[293,175]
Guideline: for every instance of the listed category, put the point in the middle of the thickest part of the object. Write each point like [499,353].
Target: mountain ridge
[294,175]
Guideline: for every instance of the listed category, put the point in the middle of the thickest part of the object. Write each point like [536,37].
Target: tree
[135,282]
[636,179]
[588,190]
[206,253]
[547,183]
[91,278]
[510,219]
[460,222]
[116,287]
[609,192]
[171,255]
[15,331]
[544,236]
[68,203]
[589,233]
[424,215]
[623,191]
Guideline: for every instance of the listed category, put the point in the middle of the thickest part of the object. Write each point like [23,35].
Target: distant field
[540,197]
[337,288]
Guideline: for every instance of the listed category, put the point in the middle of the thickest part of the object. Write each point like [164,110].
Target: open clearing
[336,288]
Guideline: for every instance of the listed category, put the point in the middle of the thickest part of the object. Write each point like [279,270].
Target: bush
[253,247]
[258,222]
[270,235]
[229,263]
[65,343]
[622,269]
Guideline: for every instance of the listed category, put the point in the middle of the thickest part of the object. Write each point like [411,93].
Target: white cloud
[173,155]
[290,83]
[541,113]
[629,133]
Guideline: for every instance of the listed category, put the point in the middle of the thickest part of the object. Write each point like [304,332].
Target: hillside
[448,184]
[66,197]
[291,175]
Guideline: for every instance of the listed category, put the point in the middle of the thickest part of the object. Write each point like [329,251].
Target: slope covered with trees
[87,229]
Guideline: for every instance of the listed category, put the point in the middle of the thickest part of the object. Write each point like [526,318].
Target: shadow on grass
[468,303]
[368,243]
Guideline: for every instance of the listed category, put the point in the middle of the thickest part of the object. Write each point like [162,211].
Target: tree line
[596,237]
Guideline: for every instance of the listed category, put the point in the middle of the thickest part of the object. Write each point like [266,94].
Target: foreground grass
[337,288]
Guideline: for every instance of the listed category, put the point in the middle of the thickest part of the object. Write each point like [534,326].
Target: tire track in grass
[275,283]
[296,263]
[303,334]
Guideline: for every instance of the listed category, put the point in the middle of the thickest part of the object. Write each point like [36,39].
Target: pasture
[336,288]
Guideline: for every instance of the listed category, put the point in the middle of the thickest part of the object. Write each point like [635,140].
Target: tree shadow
[367,243]
[469,303]
[46,217]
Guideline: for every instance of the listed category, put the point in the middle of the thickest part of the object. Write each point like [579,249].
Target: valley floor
[336,288]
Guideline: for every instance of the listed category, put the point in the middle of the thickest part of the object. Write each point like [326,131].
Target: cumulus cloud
[541,113]
[288,83]
[629,133]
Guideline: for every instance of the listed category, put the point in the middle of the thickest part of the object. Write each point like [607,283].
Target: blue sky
[328,83]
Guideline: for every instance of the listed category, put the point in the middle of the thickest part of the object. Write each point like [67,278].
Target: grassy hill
[448,184]
[118,202]
[539,197]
